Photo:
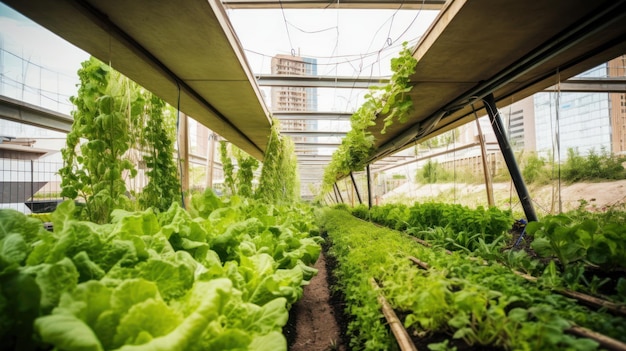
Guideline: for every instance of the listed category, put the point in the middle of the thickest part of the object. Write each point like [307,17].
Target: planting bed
[456,303]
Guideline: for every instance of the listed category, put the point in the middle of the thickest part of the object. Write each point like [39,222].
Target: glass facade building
[580,121]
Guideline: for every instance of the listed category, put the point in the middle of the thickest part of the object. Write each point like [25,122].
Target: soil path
[313,316]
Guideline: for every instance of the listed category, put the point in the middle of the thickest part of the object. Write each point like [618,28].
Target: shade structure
[186,52]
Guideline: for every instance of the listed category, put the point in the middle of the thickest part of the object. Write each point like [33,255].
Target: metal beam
[591,85]
[320,144]
[275,80]
[509,158]
[314,133]
[22,112]
[343,4]
[425,157]
[315,116]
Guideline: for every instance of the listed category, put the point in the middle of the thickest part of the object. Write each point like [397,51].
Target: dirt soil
[314,321]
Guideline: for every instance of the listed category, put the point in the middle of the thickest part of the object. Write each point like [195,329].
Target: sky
[352,43]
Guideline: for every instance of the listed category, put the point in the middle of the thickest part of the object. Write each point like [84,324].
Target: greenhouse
[312,175]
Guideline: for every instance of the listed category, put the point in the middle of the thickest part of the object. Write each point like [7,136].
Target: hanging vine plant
[279,180]
[245,172]
[93,169]
[241,181]
[117,124]
[392,101]
[228,167]
[157,143]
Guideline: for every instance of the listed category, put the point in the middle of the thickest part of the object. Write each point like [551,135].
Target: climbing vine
[93,169]
[228,167]
[163,187]
[279,180]
[117,126]
[245,173]
[239,182]
[391,101]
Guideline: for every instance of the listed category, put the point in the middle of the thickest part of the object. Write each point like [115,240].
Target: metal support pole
[335,192]
[369,187]
[338,191]
[358,195]
[509,158]
[330,197]
[183,137]
[210,160]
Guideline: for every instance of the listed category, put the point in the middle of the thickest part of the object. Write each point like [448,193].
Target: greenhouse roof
[510,48]
[205,75]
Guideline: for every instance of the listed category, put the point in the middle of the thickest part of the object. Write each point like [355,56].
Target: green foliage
[392,101]
[432,172]
[484,305]
[570,239]
[490,222]
[228,167]
[221,276]
[245,174]
[594,166]
[93,169]
[239,183]
[279,176]
[535,169]
[157,143]
[116,124]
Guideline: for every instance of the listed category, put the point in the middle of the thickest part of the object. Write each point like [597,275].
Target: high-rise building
[582,121]
[290,98]
[295,99]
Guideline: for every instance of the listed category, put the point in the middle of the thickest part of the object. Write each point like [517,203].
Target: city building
[295,99]
[583,121]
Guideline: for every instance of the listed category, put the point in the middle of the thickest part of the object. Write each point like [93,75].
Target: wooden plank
[398,330]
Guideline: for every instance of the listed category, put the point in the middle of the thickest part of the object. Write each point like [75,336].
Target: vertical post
[509,158]
[349,193]
[32,185]
[330,197]
[483,153]
[183,137]
[210,161]
[358,195]
[369,187]
[335,192]
[338,191]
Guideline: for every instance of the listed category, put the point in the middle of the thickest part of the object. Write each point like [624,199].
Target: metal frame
[509,158]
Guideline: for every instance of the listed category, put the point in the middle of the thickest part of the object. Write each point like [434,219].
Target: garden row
[457,300]
[220,275]
[578,250]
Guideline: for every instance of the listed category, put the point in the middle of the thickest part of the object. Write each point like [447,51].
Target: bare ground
[314,323]
[594,195]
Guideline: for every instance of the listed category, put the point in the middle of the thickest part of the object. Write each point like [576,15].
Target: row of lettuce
[580,250]
[458,298]
[220,275]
